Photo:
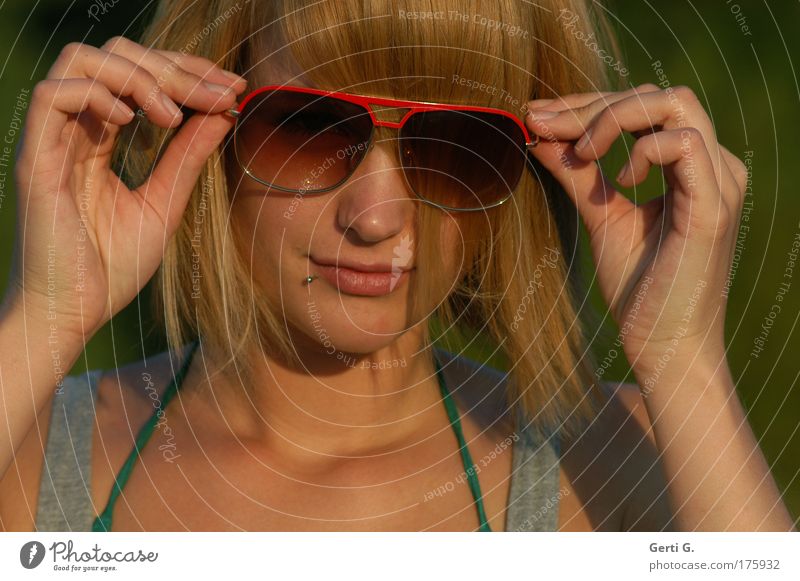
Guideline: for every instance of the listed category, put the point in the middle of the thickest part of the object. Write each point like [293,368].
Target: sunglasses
[310,141]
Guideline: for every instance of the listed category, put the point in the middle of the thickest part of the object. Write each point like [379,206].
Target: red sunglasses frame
[366,102]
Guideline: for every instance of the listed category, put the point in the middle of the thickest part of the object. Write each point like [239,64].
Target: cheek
[273,233]
[261,231]
[258,225]
[259,219]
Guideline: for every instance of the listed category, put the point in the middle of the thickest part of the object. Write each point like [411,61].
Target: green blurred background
[739,57]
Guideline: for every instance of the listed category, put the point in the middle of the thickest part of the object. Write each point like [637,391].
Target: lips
[363,279]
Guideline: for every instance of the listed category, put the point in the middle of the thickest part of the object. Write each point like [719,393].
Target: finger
[697,205]
[172,180]
[576,100]
[53,101]
[185,72]
[584,182]
[205,68]
[155,95]
[599,126]
[567,101]
[121,77]
[731,192]
[739,170]
[604,121]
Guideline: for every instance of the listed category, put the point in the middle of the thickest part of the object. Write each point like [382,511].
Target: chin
[340,323]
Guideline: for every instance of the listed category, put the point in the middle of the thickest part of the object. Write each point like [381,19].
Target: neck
[340,404]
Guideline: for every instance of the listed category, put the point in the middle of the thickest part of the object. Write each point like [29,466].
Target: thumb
[168,188]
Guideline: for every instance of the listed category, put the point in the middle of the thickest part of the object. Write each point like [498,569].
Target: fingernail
[219,89]
[584,140]
[538,115]
[171,107]
[536,103]
[233,76]
[623,172]
[122,107]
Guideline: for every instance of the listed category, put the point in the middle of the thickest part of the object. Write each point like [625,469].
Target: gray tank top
[65,498]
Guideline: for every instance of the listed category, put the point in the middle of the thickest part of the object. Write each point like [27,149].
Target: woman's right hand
[86,244]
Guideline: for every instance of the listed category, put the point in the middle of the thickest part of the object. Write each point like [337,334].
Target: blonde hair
[519,284]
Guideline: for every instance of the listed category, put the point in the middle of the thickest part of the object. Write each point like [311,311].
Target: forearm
[34,357]
[718,478]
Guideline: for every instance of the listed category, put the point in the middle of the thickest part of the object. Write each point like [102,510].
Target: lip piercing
[309,278]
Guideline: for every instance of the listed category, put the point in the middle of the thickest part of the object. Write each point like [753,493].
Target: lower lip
[356,282]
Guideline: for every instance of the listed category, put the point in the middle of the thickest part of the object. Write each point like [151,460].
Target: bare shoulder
[126,394]
[611,473]
[615,466]
[123,403]
[127,397]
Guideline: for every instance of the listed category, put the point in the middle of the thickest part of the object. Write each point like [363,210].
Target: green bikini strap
[102,523]
[466,458]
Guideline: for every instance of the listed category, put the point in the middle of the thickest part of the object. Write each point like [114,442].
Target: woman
[308,222]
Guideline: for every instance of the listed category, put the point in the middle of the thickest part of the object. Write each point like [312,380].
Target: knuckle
[738,168]
[113,43]
[648,88]
[647,143]
[43,90]
[740,174]
[716,227]
[137,81]
[182,76]
[649,147]
[141,77]
[97,89]
[691,136]
[724,219]
[71,50]
[686,95]
[610,116]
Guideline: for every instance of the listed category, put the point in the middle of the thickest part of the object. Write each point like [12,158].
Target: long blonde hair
[519,286]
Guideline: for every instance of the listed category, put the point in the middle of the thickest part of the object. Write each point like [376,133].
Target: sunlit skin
[339,447]
[365,220]
[662,269]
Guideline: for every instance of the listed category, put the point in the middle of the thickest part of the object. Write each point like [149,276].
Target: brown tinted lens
[462,159]
[301,142]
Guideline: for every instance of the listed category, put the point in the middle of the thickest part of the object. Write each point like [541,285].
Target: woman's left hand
[662,266]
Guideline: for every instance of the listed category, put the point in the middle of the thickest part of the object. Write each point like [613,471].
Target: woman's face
[369,221]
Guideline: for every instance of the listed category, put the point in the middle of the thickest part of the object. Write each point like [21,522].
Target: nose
[376,204]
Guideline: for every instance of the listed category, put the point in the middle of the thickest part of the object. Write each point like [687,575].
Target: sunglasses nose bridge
[388,115]
[388,137]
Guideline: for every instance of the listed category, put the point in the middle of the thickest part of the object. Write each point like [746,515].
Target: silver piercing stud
[310,278]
